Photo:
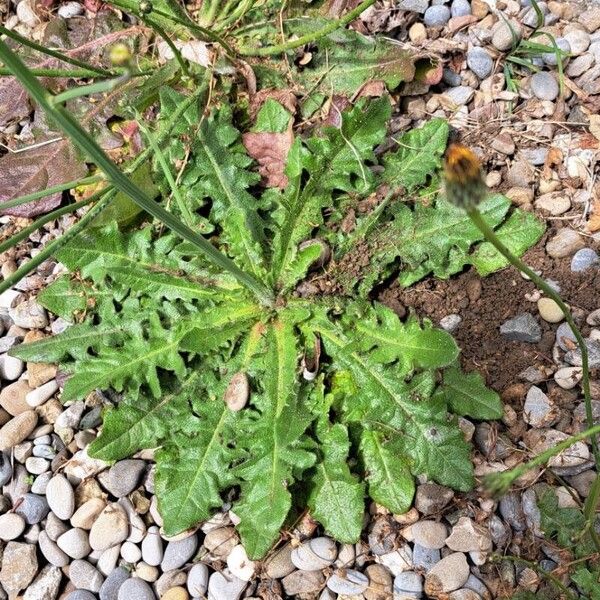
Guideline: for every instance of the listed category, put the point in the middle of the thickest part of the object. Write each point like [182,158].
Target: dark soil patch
[485,303]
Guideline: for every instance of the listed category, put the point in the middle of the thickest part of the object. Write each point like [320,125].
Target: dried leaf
[595,126]
[14,101]
[270,150]
[37,169]
[285,97]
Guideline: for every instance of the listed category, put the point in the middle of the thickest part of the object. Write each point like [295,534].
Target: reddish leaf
[14,101]
[37,169]
[270,151]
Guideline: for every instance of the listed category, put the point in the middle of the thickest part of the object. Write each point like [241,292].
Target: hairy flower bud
[463,177]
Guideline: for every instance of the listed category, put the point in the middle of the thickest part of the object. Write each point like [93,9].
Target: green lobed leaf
[220,172]
[345,60]
[337,497]
[390,481]
[410,345]
[519,232]
[277,452]
[467,395]
[431,443]
[65,297]
[418,156]
[144,421]
[333,161]
[272,117]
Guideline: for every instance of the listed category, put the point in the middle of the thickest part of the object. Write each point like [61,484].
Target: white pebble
[12,526]
[130,552]
[239,563]
[40,395]
[68,10]
[61,497]
[36,465]
[11,367]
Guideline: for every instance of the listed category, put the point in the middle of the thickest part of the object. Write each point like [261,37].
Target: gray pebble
[135,589]
[382,536]
[179,553]
[37,466]
[431,498]
[45,586]
[565,337]
[44,451]
[480,62]
[67,10]
[460,8]
[573,357]
[538,410]
[11,526]
[29,315]
[348,582]
[550,57]
[152,547]
[460,95]
[81,595]
[223,586]
[584,259]
[522,328]
[451,77]
[449,323]
[52,553]
[503,37]
[6,469]
[544,85]
[91,419]
[33,508]
[55,527]
[410,582]
[512,511]
[425,558]
[197,581]
[41,483]
[75,543]
[419,6]
[111,585]
[61,497]
[123,476]
[436,16]
[85,576]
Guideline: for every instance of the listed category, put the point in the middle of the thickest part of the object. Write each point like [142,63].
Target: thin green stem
[183,207]
[55,245]
[499,483]
[206,34]
[76,73]
[535,567]
[90,148]
[69,185]
[72,61]
[174,49]
[491,236]
[208,18]
[99,87]
[27,231]
[310,37]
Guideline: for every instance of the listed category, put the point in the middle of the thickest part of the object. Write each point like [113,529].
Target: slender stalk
[183,208]
[38,223]
[310,37]
[69,185]
[208,19]
[166,19]
[88,145]
[76,73]
[491,236]
[99,87]
[499,483]
[174,49]
[64,58]
[55,245]
[535,567]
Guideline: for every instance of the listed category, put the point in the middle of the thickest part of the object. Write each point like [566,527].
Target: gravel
[437,16]
[522,328]
[480,62]
[584,259]
[544,85]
